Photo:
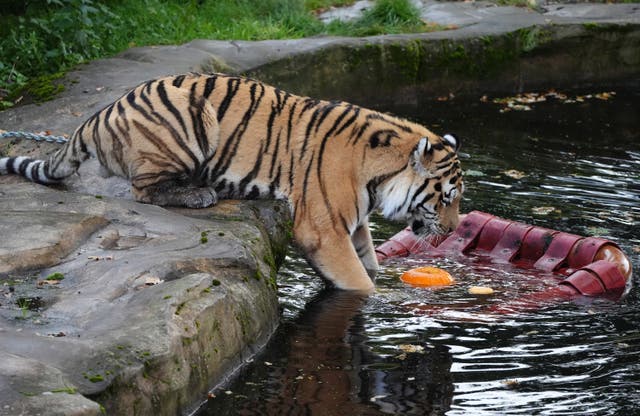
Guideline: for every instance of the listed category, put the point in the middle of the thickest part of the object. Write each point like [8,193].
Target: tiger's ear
[421,155]
[453,140]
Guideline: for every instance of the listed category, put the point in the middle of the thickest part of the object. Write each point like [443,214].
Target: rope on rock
[34,136]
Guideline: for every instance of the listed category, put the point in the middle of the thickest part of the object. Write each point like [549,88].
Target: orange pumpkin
[427,276]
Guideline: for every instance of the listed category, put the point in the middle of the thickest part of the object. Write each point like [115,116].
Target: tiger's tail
[60,165]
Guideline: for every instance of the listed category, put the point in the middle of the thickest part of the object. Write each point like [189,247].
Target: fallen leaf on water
[471,172]
[543,210]
[605,95]
[515,174]
[511,383]
[411,348]
[519,107]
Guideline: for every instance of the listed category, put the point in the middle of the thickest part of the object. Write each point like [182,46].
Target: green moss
[258,275]
[68,390]
[96,378]
[203,237]
[532,37]
[41,89]
[55,276]
[215,282]
[179,308]
[243,318]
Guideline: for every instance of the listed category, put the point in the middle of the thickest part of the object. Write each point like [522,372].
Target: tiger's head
[427,191]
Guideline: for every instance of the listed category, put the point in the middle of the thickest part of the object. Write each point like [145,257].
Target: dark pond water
[419,351]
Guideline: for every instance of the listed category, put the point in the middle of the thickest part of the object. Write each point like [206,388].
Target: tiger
[188,140]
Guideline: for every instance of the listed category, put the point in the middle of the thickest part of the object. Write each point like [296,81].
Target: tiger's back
[189,139]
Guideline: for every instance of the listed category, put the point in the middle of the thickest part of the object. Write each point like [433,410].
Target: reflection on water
[321,363]
[417,351]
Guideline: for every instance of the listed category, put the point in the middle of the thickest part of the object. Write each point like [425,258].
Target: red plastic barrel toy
[590,266]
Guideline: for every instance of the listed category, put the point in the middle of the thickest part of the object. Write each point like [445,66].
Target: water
[418,351]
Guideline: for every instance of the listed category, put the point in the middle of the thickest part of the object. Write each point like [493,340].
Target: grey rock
[155,306]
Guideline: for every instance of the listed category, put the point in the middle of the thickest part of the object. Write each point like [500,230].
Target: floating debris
[543,210]
[515,174]
[521,102]
[411,348]
[480,290]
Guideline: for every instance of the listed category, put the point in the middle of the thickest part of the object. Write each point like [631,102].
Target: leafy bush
[386,16]
[44,37]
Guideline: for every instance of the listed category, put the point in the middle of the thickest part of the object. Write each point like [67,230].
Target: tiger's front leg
[332,254]
[363,243]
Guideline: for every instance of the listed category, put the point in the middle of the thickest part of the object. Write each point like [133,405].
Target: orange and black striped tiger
[188,140]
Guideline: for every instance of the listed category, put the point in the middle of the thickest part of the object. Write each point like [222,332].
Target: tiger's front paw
[200,198]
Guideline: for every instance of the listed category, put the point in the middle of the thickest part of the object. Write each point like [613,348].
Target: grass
[46,37]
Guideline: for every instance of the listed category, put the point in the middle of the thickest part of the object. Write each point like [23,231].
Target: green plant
[55,276]
[386,16]
[44,37]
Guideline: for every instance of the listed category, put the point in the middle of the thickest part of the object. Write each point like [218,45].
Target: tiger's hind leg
[174,193]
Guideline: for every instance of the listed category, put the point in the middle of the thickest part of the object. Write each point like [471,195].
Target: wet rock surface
[140,309]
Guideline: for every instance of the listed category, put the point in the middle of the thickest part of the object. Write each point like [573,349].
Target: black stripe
[357,134]
[305,182]
[419,190]
[320,160]
[325,112]
[232,89]
[291,173]
[382,138]
[10,169]
[22,168]
[162,93]
[275,183]
[220,185]
[254,171]
[161,145]
[352,119]
[116,148]
[233,141]
[274,156]
[177,81]
[426,198]
[33,171]
[196,110]
[372,186]
[307,134]
[379,116]
[255,193]
[157,118]
[292,109]
[209,86]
